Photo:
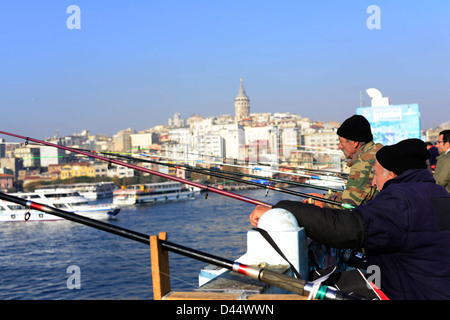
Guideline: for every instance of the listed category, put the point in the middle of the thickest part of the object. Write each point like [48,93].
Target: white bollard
[289,237]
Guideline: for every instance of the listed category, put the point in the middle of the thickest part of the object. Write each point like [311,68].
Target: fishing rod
[279,280]
[325,172]
[156,173]
[223,158]
[294,183]
[306,172]
[188,167]
[269,187]
[315,177]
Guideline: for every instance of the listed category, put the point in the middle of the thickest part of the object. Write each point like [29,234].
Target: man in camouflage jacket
[355,140]
[358,189]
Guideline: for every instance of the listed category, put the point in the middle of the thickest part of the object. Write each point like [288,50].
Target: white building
[102,170]
[206,138]
[176,121]
[328,139]
[30,156]
[234,140]
[142,140]
[289,138]
[51,155]
[262,143]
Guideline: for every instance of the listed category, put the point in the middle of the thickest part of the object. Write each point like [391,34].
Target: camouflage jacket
[358,189]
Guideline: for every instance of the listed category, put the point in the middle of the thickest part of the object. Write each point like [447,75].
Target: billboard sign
[392,123]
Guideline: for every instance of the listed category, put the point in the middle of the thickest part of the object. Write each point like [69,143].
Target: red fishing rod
[156,173]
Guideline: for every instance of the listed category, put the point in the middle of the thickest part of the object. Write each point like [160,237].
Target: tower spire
[241,92]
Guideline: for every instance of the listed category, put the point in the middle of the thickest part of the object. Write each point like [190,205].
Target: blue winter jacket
[408,236]
[405,231]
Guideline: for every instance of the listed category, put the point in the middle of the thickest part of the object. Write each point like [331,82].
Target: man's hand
[257,213]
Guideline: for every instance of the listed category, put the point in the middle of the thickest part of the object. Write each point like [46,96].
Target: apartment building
[80,169]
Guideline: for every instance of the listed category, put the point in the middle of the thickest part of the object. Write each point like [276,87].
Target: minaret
[241,104]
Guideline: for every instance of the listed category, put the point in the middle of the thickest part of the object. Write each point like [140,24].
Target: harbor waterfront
[63,260]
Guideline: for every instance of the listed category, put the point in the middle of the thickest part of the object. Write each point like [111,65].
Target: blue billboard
[393,123]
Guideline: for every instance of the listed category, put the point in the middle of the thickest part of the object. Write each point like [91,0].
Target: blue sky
[133,64]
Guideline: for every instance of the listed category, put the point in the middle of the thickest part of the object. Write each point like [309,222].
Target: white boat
[92,191]
[96,191]
[327,182]
[152,193]
[64,199]
[340,185]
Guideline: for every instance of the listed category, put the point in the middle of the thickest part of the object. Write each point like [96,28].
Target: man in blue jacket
[404,230]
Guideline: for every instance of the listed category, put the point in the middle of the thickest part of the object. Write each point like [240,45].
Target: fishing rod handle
[271,277]
[299,286]
[282,281]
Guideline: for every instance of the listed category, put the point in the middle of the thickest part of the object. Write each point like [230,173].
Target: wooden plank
[201,296]
[229,296]
[160,267]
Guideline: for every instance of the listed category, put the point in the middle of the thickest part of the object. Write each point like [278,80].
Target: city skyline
[135,64]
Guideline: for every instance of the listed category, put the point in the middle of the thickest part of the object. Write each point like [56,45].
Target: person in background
[434,153]
[404,230]
[442,170]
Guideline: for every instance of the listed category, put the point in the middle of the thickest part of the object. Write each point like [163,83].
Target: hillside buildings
[278,140]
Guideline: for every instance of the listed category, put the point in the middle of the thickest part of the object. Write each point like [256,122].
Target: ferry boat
[64,199]
[92,191]
[152,193]
[338,185]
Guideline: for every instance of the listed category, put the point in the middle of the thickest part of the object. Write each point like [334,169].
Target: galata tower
[241,104]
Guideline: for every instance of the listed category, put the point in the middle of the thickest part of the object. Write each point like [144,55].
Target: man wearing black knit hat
[404,230]
[355,140]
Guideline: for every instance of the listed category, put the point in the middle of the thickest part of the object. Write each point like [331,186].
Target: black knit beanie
[356,128]
[405,155]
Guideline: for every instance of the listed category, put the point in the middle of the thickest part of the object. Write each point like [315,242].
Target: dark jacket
[405,231]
